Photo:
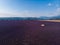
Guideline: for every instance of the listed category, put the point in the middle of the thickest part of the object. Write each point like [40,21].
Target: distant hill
[32,18]
[55,18]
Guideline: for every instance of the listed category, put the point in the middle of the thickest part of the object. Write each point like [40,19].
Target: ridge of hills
[31,18]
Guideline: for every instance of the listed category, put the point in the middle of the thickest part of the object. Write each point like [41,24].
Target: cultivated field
[29,33]
[53,20]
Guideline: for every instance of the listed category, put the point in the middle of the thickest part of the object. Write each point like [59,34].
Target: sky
[29,8]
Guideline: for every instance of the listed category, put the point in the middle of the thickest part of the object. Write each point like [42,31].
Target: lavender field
[26,32]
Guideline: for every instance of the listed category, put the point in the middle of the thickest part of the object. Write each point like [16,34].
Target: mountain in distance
[55,17]
[32,18]
[50,18]
[44,17]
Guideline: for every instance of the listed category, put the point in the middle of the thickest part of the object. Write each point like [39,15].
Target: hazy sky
[29,8]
